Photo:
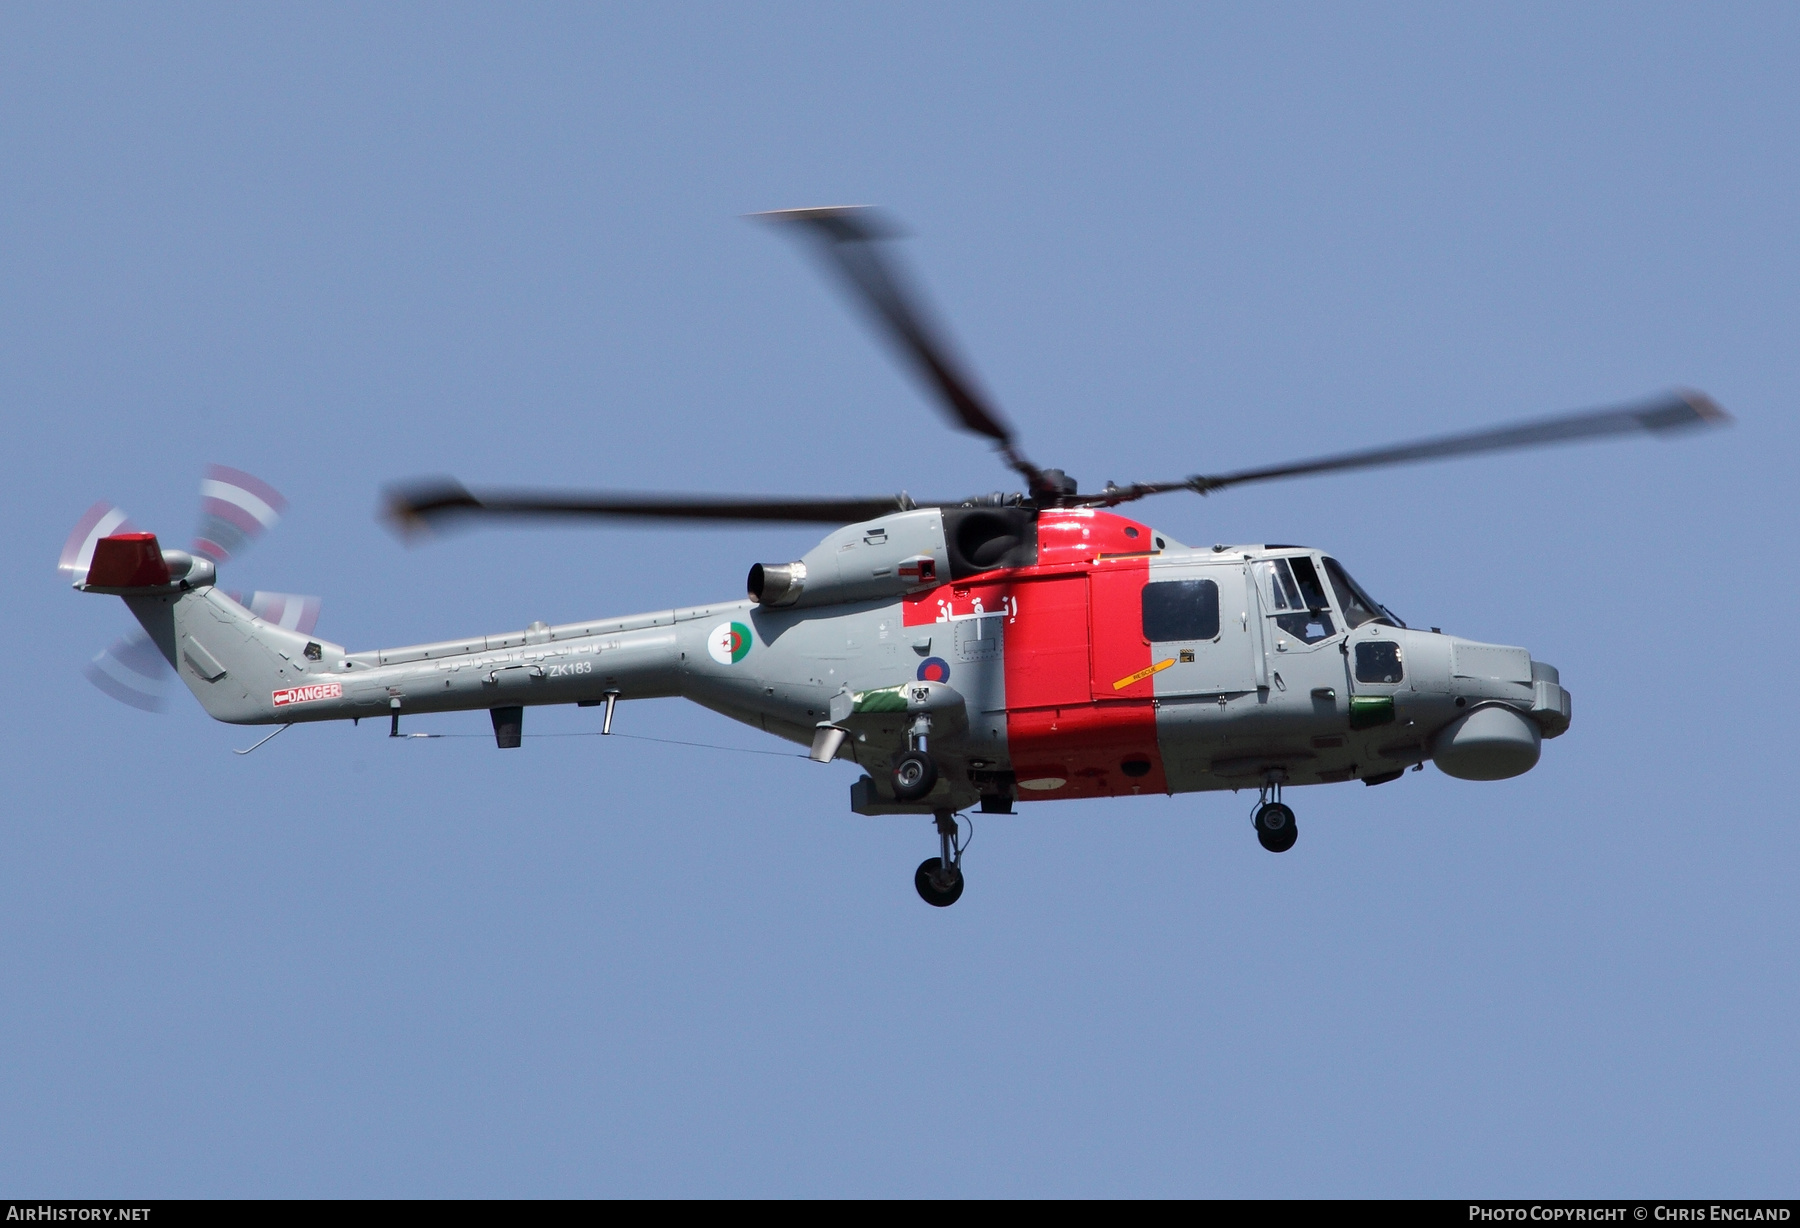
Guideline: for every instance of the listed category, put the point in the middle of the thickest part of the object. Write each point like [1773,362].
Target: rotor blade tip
[1705,408]
[407,508]
[403,522]
[840,222]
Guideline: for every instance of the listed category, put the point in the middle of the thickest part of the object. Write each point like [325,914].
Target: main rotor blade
[443,502]
[848,236]
[1671,411]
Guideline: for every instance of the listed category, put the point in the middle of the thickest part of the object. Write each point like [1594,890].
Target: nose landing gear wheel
[1275,828]
[915,775]
[938,887]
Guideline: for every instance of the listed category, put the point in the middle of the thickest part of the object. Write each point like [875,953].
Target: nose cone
[1487,744]
[1512,702]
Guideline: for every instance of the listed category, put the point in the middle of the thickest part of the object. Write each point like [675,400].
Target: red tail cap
[128,560]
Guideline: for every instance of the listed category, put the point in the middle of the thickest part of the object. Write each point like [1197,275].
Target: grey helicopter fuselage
[1045,655]
[1033,647]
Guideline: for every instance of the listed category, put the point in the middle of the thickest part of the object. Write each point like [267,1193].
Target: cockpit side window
[1298,600]
[1358,606]
[1281,585]
[1309,627]
[1378,661]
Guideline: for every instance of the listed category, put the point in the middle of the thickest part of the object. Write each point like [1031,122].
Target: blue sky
[339,246]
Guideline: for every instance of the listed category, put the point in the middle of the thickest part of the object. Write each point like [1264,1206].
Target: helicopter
[967,655]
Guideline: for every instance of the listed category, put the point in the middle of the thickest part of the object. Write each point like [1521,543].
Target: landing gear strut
[939,879]
[915,772]
[1275,828]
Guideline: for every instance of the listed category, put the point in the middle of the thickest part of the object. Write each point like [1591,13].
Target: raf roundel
[729,643]
[934,669]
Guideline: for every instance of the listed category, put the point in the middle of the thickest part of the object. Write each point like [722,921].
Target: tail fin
[233,661]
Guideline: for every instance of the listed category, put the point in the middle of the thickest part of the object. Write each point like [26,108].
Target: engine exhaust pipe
[776,584]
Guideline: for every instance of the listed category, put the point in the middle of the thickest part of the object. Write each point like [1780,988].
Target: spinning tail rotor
[100,520]
[236,508]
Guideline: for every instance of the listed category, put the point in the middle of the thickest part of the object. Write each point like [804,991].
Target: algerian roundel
[729,643]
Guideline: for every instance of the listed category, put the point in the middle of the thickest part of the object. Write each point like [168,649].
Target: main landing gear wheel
[937,887]
[939,879]
[1275,827]
[915,775]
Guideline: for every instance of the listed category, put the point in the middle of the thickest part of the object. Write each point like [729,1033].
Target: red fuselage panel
[1096,750]
[1047,643]
[1073,633]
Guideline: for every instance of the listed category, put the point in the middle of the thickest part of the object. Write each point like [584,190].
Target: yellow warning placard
[1142,674]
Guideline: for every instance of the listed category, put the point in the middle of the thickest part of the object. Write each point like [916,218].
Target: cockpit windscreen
[1358,606]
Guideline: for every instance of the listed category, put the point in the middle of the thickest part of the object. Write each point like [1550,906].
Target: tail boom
[248,670]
